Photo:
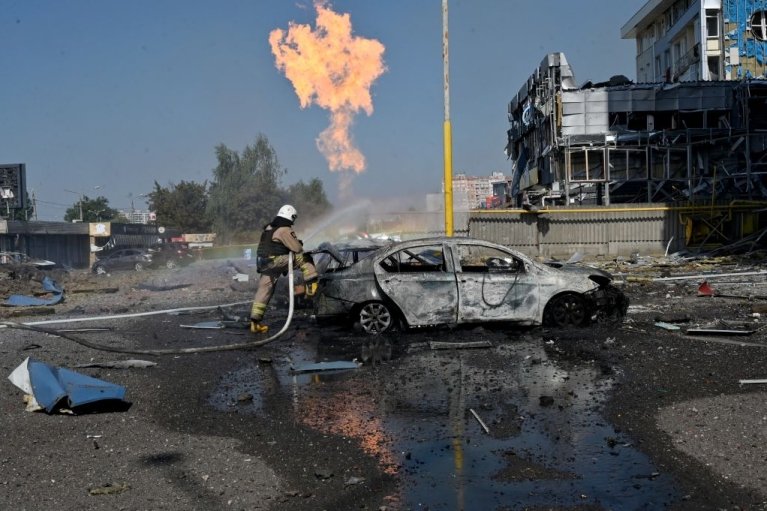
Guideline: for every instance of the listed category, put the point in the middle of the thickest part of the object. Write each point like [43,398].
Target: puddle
[547,444]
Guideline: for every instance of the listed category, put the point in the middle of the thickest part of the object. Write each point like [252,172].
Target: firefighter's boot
[257,328]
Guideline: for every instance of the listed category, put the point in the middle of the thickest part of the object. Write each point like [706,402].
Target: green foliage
[245,193]
[24,214]
[93,210]
[310,200]
[183,206]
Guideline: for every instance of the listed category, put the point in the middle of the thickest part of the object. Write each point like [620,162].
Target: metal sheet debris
[437,345]
[206,325]
[120,364]
[743,382]
[481,423]
[49,285]
[337,365]
[50,388]
[667,326]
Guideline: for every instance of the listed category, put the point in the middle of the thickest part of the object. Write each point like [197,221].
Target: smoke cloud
[334,69]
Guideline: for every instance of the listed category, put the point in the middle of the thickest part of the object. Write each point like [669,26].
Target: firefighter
[277,241]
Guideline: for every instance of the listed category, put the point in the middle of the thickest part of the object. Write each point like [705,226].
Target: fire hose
[34,326]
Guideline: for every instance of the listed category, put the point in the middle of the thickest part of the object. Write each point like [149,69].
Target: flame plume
[332,68]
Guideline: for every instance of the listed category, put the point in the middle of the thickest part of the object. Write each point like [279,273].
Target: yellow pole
[447,135]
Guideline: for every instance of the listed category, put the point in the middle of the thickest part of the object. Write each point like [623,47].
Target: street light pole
[447,130]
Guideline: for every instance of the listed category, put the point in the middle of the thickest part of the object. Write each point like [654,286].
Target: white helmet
[288,212]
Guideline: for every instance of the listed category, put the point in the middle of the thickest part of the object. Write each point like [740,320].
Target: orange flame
[334,69]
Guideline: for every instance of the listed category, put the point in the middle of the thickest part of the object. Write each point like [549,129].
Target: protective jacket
[278,239]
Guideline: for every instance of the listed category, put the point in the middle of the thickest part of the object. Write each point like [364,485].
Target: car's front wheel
[375,318]
[99,270]
[569,309]
[170,264]
[139,266]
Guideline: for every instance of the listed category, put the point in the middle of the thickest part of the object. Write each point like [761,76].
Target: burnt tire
[99,270]
[569,309]
[376,318]
[139,266]
[171,264]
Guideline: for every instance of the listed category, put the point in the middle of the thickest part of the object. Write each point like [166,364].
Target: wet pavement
[418,412]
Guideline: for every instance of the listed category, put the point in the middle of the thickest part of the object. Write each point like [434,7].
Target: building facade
[692,40]
[479,192]
[619,142]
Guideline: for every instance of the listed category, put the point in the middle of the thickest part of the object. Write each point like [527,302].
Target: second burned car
[438,281]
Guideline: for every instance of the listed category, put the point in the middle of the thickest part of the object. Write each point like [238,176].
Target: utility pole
[447,130]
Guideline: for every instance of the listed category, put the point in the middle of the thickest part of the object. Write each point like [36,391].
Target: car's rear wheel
[99,270]
[139,266]
[568,309]
[375,318]
[170,264]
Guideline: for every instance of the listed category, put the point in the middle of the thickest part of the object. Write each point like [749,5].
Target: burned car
[21,259]
[449,281]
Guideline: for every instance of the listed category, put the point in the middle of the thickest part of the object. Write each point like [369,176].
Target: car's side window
[428,258]
[481,259]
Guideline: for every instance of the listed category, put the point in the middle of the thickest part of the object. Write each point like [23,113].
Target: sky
[106,97]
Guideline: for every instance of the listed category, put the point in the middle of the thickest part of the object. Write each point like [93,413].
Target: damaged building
[674,160]
[692,126]
[620,142]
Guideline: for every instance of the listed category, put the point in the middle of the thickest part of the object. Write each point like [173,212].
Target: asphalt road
[627,416]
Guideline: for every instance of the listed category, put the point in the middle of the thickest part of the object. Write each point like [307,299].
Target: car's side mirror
[502,264]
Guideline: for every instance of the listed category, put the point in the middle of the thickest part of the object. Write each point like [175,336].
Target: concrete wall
[617,230]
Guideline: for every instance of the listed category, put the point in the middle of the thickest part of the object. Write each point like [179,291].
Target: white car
[439,281]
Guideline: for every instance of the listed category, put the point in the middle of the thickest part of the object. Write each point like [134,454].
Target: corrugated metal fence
[649,229]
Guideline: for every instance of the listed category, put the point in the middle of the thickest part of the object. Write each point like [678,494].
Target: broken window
[586,164]
[713,68]
[759,25]
[428,258]
[481,259]
[627,164]
[712,23]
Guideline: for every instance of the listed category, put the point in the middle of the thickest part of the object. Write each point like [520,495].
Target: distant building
[137,216]
[691,40]
[479,192]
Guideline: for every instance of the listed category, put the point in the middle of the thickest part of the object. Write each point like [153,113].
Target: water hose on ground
[34,326]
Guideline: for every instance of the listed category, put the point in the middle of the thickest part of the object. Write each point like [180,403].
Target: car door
[124,260]
[494,285]
[421,282]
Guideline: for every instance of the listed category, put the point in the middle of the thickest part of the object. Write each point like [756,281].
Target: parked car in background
[123,259]
[21,259]
[171,255]
[438,281]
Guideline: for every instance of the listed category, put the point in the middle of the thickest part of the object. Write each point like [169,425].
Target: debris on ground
[481,422]
[120,364]
[52,388]
[162,287]
[338,365]
[437,345]
[667,326]
[108,489]
[52,291]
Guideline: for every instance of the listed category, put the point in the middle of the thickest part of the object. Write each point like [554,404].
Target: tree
[183,205]
[310,200]
[93,210]
[245,192]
